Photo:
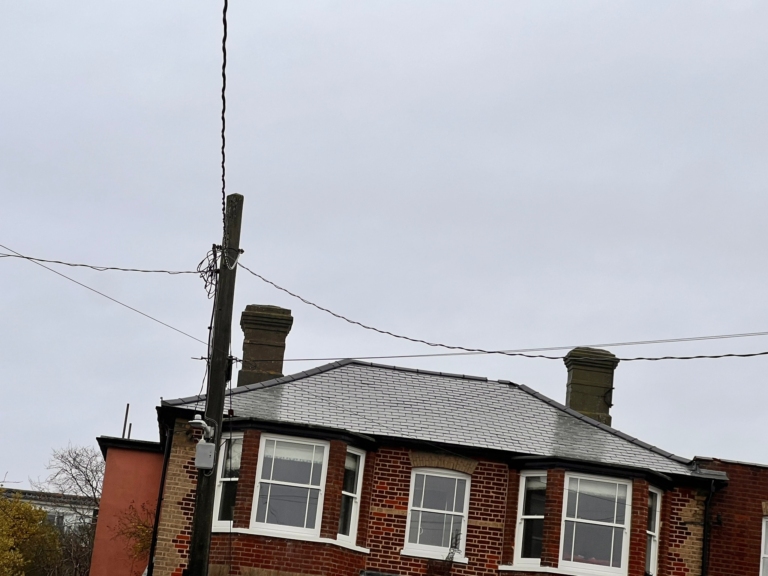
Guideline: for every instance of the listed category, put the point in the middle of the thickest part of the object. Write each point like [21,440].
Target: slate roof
[376,400]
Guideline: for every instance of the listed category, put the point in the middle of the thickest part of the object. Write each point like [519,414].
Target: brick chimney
[265,329]
[590,382]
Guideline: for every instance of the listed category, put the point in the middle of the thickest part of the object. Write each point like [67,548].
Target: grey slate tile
[474,412]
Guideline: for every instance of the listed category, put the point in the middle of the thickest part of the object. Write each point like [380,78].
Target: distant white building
[62,510]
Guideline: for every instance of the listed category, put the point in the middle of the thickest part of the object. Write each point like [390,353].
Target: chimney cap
[592,358]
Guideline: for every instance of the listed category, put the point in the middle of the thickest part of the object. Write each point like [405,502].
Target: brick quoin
[682,532]
[247,481]
[178,505]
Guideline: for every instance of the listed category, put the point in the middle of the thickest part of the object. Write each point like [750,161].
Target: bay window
[350,495]
[227,474]
[595,525]
[530,515]
[290,484]
[437,513]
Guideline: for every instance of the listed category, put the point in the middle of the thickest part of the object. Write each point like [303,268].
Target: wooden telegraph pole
[200,542]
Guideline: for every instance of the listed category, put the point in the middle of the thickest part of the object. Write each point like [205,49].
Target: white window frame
[656,535]
[591,569]
[437,552]
[518,559]
[222,524]
[276,529]
[764,548]
[352,537]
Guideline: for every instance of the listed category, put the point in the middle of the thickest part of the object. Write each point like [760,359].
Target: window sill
[432,555]
[531,568]
[290,536]
[569,571]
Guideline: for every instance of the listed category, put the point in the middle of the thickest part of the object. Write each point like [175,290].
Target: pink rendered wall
[131,477]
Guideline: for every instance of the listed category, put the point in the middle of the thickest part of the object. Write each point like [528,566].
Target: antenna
[125,421]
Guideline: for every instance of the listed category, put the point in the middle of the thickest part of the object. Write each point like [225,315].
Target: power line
[92,267]
[107,297]
[224,123]
[463,351]
[525,352]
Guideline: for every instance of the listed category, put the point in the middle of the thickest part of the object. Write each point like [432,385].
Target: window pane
[568,541]
[533,532]
[533,500]
[765,532]
[649,555]
[621,503]
[653,503]
[314,496]
[293,462]
[269,453]
[439,493]
[261,507]
[461,489]
[455,537]
[287,505]
[413,531]
[345,518]
[351,466]
[573,491]
[433,529]
[418,490]
[317,465]
[765,566]
[227,500]
[231,467]
[592,544]
[618,542]
[597,500]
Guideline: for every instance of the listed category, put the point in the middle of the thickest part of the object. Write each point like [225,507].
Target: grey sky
[491,174]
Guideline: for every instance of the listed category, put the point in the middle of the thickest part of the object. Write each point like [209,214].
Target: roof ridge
[600,425]
[264,384]
[419,371]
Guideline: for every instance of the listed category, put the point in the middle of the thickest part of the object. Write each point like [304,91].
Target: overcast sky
[486,174]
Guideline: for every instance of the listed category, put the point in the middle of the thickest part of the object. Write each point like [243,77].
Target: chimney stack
[590,382]
[265,329]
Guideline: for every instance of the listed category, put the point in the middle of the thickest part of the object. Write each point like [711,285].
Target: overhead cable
[92,267]
[525,352]
[115,300]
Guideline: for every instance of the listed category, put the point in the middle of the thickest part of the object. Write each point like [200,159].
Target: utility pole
[202,522]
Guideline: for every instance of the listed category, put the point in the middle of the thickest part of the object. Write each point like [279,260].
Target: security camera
[199,424]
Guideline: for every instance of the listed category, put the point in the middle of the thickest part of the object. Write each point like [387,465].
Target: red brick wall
[389,510]
[510,521]
[638,540]
[334,481]
[243,551]
[247,481]
[737,516]
[553,513]
[491,526]
[365,499]
[132,478]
